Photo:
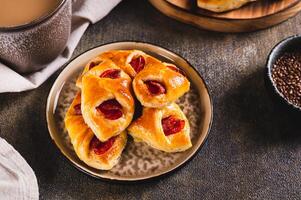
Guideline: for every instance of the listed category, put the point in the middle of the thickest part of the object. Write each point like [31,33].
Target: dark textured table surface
[254,147]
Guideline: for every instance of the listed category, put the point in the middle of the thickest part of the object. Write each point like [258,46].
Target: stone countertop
[254,147]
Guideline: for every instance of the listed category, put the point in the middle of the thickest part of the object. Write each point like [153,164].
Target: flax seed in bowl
[284,70]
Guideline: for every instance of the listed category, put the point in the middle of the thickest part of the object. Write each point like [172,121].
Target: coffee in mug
[33,32]
[19,12]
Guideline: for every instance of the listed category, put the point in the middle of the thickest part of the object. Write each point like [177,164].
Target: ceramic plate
[138,161]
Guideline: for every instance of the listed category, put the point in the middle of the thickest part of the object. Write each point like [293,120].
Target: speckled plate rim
[53,97]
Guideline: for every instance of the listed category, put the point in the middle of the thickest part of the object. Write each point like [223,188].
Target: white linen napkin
[17,179]
[84,12]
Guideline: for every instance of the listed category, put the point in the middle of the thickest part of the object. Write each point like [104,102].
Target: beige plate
[138,161]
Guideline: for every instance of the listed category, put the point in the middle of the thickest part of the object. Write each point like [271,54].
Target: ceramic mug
[29,47]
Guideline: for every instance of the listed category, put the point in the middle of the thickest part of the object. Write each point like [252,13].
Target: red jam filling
[172,125]
[101,147]
[111,109]
[138,63]
[176,69]
[77,109]
[94,64]
[111,73]
[155,87]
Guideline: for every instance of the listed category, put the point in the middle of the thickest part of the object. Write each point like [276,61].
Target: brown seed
[286,74]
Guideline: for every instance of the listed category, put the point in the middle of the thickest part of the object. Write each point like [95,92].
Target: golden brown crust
[148,128]
[122,59]
[81,136]
[174,82]
[96,61]
[96,90]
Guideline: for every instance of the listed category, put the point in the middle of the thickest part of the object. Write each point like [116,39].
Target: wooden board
[257,9]
[251,17]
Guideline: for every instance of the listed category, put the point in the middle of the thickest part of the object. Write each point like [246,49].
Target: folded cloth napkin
[17,179]
[84,12]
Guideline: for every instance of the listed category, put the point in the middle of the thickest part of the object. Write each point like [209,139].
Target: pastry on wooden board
[166,129]
[96,154]
[221,5]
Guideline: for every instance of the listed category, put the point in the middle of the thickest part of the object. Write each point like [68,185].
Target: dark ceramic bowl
[290,44]
[29,47]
